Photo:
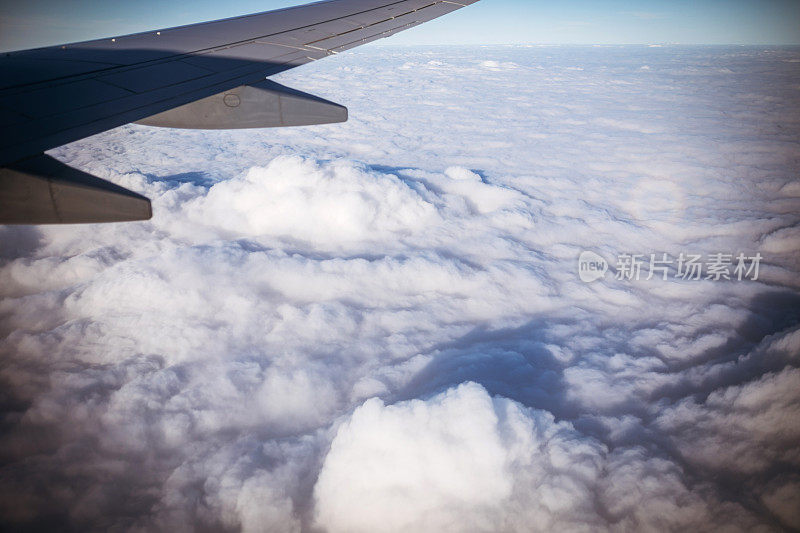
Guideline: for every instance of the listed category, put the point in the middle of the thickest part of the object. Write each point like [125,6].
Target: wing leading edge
[177,77]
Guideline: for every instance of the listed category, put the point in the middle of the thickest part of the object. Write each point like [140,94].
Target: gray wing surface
[192,76]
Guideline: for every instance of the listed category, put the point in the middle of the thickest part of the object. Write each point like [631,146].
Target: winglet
[43,190]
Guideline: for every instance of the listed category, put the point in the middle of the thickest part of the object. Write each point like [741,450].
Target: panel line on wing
[199,51]
[373,24]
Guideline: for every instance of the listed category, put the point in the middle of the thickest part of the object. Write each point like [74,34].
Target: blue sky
[43,22]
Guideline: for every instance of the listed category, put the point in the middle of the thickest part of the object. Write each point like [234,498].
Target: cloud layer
[379,326]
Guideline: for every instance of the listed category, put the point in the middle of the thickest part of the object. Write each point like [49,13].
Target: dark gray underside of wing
[52,96]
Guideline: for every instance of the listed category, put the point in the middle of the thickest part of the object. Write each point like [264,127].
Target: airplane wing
[210,75]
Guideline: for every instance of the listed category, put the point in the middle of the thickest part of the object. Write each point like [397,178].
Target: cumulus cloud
[301,200]
[422,466]
[379,326]
[463,461]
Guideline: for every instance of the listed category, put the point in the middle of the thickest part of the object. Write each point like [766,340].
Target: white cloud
[463,461]
[419,467]
[327,206]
